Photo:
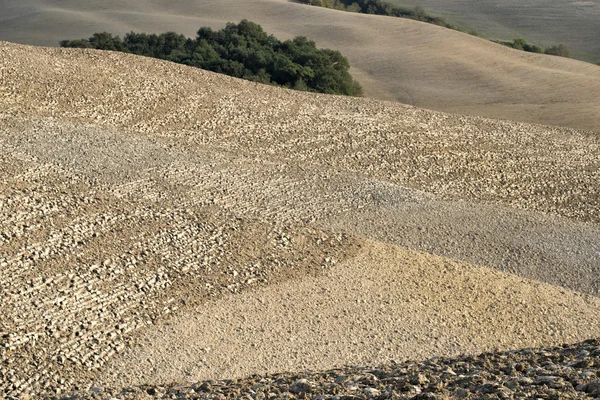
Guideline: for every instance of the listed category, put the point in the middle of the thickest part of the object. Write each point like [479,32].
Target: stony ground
[411,306]
[134,191]
[563,372]
[546,169]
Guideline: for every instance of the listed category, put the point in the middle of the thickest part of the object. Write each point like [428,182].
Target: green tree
[354,7]
[420,13]
[82,43]
[380,7]
[519,43]
[242,50]
[106,41]
[558,50]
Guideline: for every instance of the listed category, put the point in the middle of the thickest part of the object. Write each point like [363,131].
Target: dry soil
[394,59]
[139,198]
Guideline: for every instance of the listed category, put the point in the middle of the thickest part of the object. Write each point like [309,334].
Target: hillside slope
[135,192]
[384,304]
[394,59]
[543,22]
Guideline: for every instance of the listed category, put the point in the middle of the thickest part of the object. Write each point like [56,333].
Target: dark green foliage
[521,44]
[532,48]
[102,40]
[244,51]
[558,50]
[76,43]
[380,7]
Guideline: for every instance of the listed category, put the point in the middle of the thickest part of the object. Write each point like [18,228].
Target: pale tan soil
[539,168]
[394,59]
[84,264]
[385,304]
[133,189]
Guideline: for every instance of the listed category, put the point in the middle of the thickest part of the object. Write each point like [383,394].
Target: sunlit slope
[135,192]
[394,59]
[532,167]
[384,304]
[387,169]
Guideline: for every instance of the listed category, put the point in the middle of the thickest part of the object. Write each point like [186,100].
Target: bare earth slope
[394,59]
[134,189]
[385,304]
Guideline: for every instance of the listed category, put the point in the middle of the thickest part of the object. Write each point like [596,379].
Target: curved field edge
[573,22]
[393,58]
[538,168]
[569,371]
[384,303]
[135,188]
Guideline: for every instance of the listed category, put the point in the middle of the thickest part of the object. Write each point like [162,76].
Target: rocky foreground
[564,372]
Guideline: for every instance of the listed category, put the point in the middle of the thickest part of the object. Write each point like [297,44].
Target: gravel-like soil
[383,304]
[546,169]
[136,192]
[563,372]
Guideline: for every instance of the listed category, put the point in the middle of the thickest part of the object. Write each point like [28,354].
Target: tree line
[521,44]
[241,50]
[379,7]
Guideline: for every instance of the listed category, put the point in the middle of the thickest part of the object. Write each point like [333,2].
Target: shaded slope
[572,22]
[395,59]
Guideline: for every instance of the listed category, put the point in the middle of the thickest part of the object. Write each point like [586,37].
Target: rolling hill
[572,22]
[163,219]
[394,59]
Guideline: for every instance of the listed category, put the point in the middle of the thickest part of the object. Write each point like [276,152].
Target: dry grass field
[394,59]
[573,22]
[160,223]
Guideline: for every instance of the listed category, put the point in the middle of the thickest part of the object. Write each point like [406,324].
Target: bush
[558,50]
[244,51]
[521,44]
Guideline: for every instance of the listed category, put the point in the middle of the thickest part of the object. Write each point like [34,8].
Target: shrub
[242,50]
[558,50]
[521,44]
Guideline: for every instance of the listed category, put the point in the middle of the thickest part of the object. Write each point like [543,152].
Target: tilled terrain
[82,267]
[411,306]
[134,189]
[563,372]
[546,169]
